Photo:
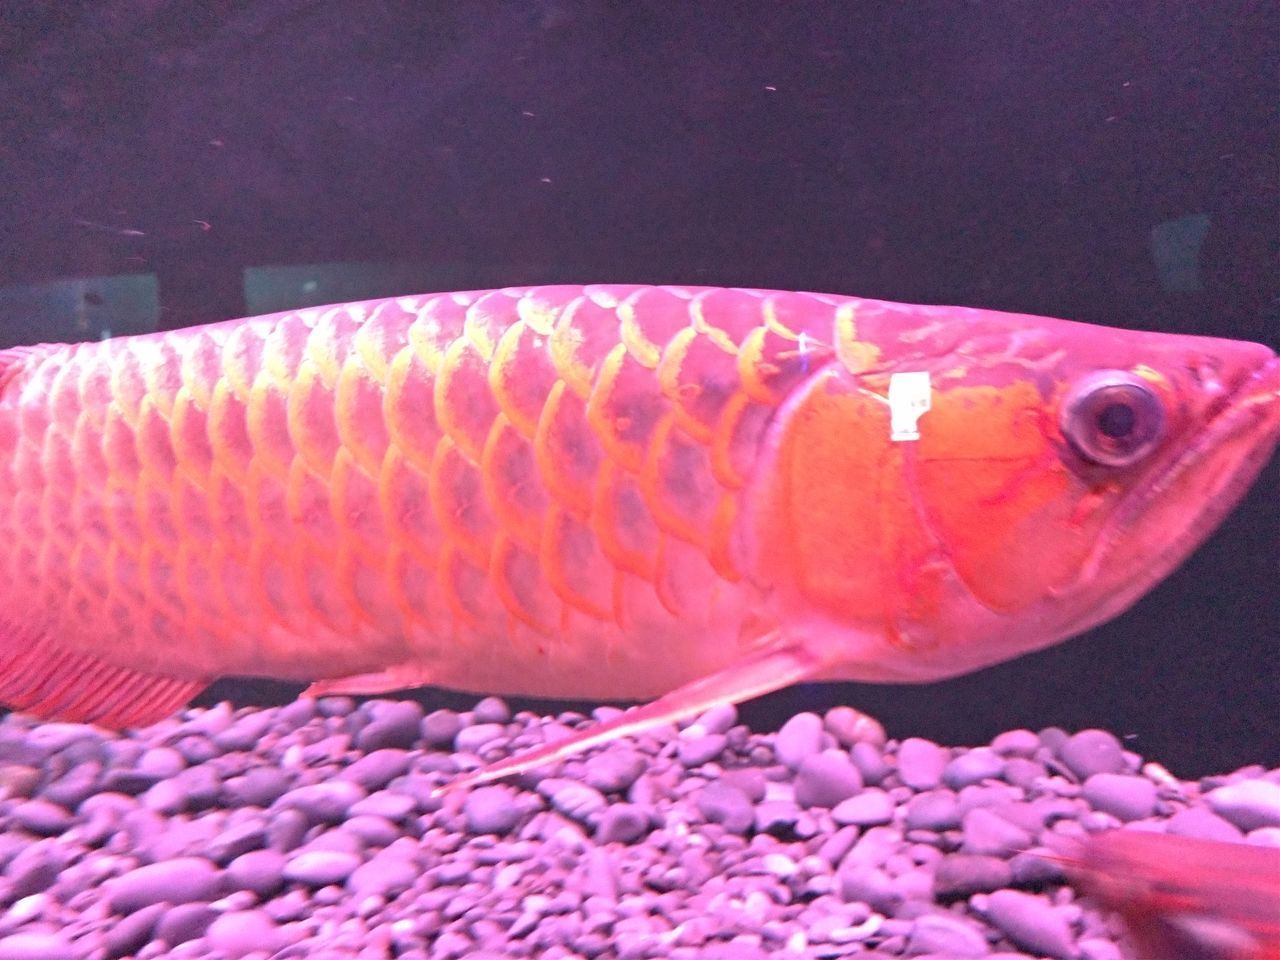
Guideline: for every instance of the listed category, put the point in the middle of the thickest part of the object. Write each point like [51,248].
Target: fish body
[622,492]
[1184,898]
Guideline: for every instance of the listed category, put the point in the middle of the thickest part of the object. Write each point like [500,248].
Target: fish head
[1035,477]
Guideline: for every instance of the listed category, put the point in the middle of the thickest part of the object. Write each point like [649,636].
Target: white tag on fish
[909,398]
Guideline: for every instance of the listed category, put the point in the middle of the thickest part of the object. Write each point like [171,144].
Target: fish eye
[1112,418]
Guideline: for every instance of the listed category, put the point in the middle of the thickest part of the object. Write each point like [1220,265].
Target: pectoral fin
[763,671]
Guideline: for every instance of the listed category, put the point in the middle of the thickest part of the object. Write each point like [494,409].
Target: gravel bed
[315,830]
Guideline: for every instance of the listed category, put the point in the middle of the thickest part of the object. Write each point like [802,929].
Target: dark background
[998,154]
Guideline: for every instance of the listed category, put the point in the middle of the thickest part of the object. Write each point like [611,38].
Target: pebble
[318,868]
[244,932]
[695,751]
[824,779]
[1249,804]
[987,833]
[38,946]
[1092,751]
[181,880]
[726,805]
[947,935]
[42,817]
[869,808]
[1123,796]
[963,874]
[315,830]
[973,766]
[491,809]
[799,737]
[920,763]
[326,802]
[1031,923]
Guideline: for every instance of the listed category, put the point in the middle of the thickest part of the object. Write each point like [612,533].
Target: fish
[1184,898]
[678,496]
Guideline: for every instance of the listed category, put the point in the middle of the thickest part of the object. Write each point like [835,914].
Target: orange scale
[509,471]
[460,505]
[625,408]
[437,326]
[727,316]
[464,405]
[487,319]
[521,376]
[567,451]
[649,319]
[584,336]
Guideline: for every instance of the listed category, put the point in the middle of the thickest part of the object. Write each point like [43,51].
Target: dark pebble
[182,880]
[375,770]
[129,934]
[184,922]
[42,817]
[615,771]
[326,802]
[440,727]
[622,823]
[286,829]
[258,787]
[1032,923]
[727,806]
[961,875]
[695,751]
[259,871]
[1092,751]
[386,876]
[491,810]
[920,763]
[826,778]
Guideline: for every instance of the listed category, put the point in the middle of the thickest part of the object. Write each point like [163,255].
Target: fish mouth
[1215,469]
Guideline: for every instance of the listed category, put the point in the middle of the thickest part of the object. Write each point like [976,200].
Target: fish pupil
[1117,420]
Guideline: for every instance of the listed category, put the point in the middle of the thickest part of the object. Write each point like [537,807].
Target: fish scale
[690,494]
[566,499]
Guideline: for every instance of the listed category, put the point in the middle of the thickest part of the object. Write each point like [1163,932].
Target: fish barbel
[696,495]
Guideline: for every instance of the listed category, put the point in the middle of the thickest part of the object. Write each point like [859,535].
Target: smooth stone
[869,808]
[1032,923]
[725,805]
[920,763]
[1121,795]
[182,880]
[948,936]
[989,834]
[973,766]
[244,932]
[963,874]
[1092,751]
[1248,804]
[319,868]
[825,779]
[799,737]
[622,823]
[491,809]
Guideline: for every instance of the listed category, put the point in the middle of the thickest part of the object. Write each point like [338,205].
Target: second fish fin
[400,677]
[39,677]
[765,670]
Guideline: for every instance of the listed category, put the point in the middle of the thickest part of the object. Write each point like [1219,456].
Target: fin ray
[767,669]
[39,677]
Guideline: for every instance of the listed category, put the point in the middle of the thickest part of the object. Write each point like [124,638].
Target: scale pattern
[489,476]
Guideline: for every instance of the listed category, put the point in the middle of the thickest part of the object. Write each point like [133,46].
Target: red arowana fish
[626,492]
[1183,898]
